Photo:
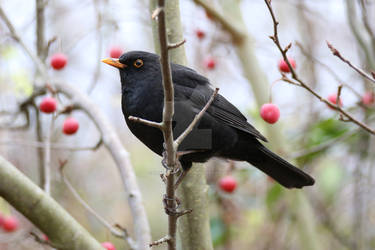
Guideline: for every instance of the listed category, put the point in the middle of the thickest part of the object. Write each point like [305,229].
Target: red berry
[45,237]
[58,61]
[70,126]
[368,98]
[10,224]
[228,184]
[332,98]
[108,246]
[210,63]
[115,52]
[200,33]
[283,66]
[270,112]
[48,105]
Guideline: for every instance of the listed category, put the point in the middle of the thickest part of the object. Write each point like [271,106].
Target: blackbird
[223,131]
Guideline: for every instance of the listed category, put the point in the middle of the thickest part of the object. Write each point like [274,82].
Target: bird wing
[197,89]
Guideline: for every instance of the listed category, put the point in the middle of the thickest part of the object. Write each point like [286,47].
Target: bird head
[133,65]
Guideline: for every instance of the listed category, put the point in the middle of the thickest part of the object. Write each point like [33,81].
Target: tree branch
[43,211]
[120,156]
[301,83]
[110,140]
[335,52]
[120,234]
[17,38]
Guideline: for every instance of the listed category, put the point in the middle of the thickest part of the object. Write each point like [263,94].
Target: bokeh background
[338,212]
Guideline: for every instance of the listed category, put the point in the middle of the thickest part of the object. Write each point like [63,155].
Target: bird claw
[171,210]
[164,161]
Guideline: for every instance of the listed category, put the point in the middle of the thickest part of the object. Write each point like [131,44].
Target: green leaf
[322,132]
[326,130]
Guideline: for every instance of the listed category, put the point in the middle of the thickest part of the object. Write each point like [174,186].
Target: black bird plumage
[222,132]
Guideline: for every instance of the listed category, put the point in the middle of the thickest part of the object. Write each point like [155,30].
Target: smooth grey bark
[43,211]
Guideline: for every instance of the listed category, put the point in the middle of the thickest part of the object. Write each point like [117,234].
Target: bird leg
[173,210]
[180,177]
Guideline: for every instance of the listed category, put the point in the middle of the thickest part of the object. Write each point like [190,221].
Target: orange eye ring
[138,63]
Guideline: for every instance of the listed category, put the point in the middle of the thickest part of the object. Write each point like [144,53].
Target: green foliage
[326,130]
[320,133]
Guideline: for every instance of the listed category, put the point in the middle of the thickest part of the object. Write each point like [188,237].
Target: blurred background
[338,212]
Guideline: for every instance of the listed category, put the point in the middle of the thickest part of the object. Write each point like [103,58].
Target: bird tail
[280,170]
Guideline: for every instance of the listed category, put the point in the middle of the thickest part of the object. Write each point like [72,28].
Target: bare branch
[328,69]
[158,125]
[121,157]
[358,70]
[196,119]
[114,231]
[298,81]
[176,45]
[161,241]
[18,39]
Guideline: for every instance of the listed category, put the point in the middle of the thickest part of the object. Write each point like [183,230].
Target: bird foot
[172,211]
[171,205]
[180,177]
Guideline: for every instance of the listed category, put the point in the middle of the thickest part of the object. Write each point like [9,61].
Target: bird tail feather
[279,169]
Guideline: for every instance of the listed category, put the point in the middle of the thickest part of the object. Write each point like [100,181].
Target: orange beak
[115,63]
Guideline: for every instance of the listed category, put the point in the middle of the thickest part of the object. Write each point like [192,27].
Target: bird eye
[138,63]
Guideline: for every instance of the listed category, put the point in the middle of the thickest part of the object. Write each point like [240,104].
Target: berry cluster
[49,105]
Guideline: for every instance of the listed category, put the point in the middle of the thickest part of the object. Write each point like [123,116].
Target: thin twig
[120,234]
[196,119]
[160,241]
[47,158]
[328,69]
[158,125]
[358,70]
[18,39]
[176,45]
[301,83]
